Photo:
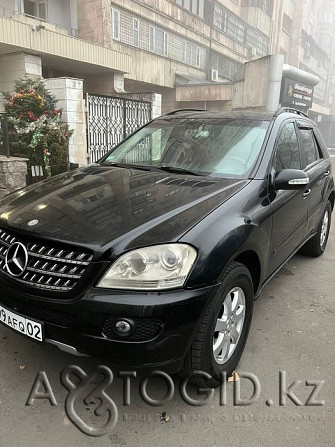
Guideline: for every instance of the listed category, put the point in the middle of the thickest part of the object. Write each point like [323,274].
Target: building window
[287,23]
[191,54]
[227,68]
[35,9]
[265,5]
[136,32]
[229,24]
[239,31]
[284,53]
[329,17]
[195,6]
[158,41]
[326,42]
[116,23]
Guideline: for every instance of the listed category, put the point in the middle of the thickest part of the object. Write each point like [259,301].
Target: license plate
[25,326]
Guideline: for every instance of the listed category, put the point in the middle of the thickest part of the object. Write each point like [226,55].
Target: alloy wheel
[229,325]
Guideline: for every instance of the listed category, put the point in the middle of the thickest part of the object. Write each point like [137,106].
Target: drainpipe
[274,83]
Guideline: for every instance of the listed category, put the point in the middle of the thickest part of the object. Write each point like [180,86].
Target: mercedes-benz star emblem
[16,259]
[32,223]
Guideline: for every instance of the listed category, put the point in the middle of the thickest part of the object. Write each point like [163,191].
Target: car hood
[99,206]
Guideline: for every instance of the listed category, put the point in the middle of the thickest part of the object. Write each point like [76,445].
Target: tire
[236,287]
[317,245]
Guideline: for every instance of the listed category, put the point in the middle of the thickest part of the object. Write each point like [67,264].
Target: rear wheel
[223,331]
[317,245]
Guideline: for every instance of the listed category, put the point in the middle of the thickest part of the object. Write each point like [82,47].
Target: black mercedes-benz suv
[153,256]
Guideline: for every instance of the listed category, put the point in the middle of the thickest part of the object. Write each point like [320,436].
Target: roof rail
[290,109]
[174,112]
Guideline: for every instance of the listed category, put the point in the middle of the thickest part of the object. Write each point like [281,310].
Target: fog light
[124,328]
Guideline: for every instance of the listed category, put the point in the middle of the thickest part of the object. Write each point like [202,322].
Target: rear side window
[287,154]
[308,146]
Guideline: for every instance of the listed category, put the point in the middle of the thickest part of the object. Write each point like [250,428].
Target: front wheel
[317,245]
[223,331]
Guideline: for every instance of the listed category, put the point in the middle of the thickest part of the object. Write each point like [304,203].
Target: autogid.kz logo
[91,390]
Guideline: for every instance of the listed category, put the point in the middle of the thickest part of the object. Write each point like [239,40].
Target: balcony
[54,15]
[58,49]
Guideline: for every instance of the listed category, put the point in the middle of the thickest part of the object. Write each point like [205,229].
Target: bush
[35,128]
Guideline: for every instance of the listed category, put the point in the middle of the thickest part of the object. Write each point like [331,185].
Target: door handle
[326,173]
[306,193]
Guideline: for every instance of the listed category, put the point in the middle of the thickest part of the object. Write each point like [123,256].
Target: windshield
[211,147]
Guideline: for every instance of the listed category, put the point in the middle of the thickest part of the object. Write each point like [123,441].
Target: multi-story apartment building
[305,34]
[175,43]
[312,48]
[190,50]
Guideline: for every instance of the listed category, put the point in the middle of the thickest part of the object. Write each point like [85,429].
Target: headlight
[151,268]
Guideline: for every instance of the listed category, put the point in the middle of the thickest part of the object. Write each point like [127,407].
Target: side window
[309,146]
[287,153]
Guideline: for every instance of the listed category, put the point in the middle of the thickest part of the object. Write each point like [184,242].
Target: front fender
[218,246]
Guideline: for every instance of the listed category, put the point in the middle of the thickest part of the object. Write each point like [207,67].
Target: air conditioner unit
[214,74]
[253,51]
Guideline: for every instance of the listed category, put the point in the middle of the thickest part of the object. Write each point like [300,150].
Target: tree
[35,128]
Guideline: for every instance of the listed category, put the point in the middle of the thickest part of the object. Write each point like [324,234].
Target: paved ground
[292,331]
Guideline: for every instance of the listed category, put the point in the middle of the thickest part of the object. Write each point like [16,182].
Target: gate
[110,120]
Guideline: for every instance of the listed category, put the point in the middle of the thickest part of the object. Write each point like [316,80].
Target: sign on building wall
[296,94]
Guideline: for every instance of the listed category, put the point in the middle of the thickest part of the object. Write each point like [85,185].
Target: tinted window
[287,154]
[309,146]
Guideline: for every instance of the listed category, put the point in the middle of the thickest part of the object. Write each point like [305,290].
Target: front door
[289,215]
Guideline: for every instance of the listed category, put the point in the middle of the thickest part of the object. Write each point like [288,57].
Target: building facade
[212,54]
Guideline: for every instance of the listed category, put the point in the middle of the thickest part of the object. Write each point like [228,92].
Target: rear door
[317,168]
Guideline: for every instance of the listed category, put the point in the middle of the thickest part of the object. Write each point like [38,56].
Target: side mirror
[289,179]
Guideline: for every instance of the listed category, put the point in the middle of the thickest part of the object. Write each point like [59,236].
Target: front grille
[145,328]
[42,314]
[48,268]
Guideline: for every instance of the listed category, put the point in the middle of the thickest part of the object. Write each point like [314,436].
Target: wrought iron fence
[110,120]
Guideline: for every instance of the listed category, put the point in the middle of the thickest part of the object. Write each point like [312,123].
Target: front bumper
[164,323]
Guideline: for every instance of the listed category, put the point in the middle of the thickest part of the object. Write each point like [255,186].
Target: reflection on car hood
[97,206]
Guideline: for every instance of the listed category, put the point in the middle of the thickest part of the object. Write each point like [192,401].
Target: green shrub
[35,128]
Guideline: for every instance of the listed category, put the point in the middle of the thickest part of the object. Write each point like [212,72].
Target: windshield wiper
[177,170]
[128,165]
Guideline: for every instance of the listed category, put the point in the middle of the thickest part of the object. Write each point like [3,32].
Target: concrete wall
[15,66]
[13,174]
[7,7]
[104,84]
[69,93]
[212,92]
[251,87]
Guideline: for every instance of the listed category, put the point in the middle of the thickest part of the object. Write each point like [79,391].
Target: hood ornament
[33,222]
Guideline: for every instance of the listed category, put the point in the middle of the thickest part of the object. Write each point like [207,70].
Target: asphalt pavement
[292,333]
